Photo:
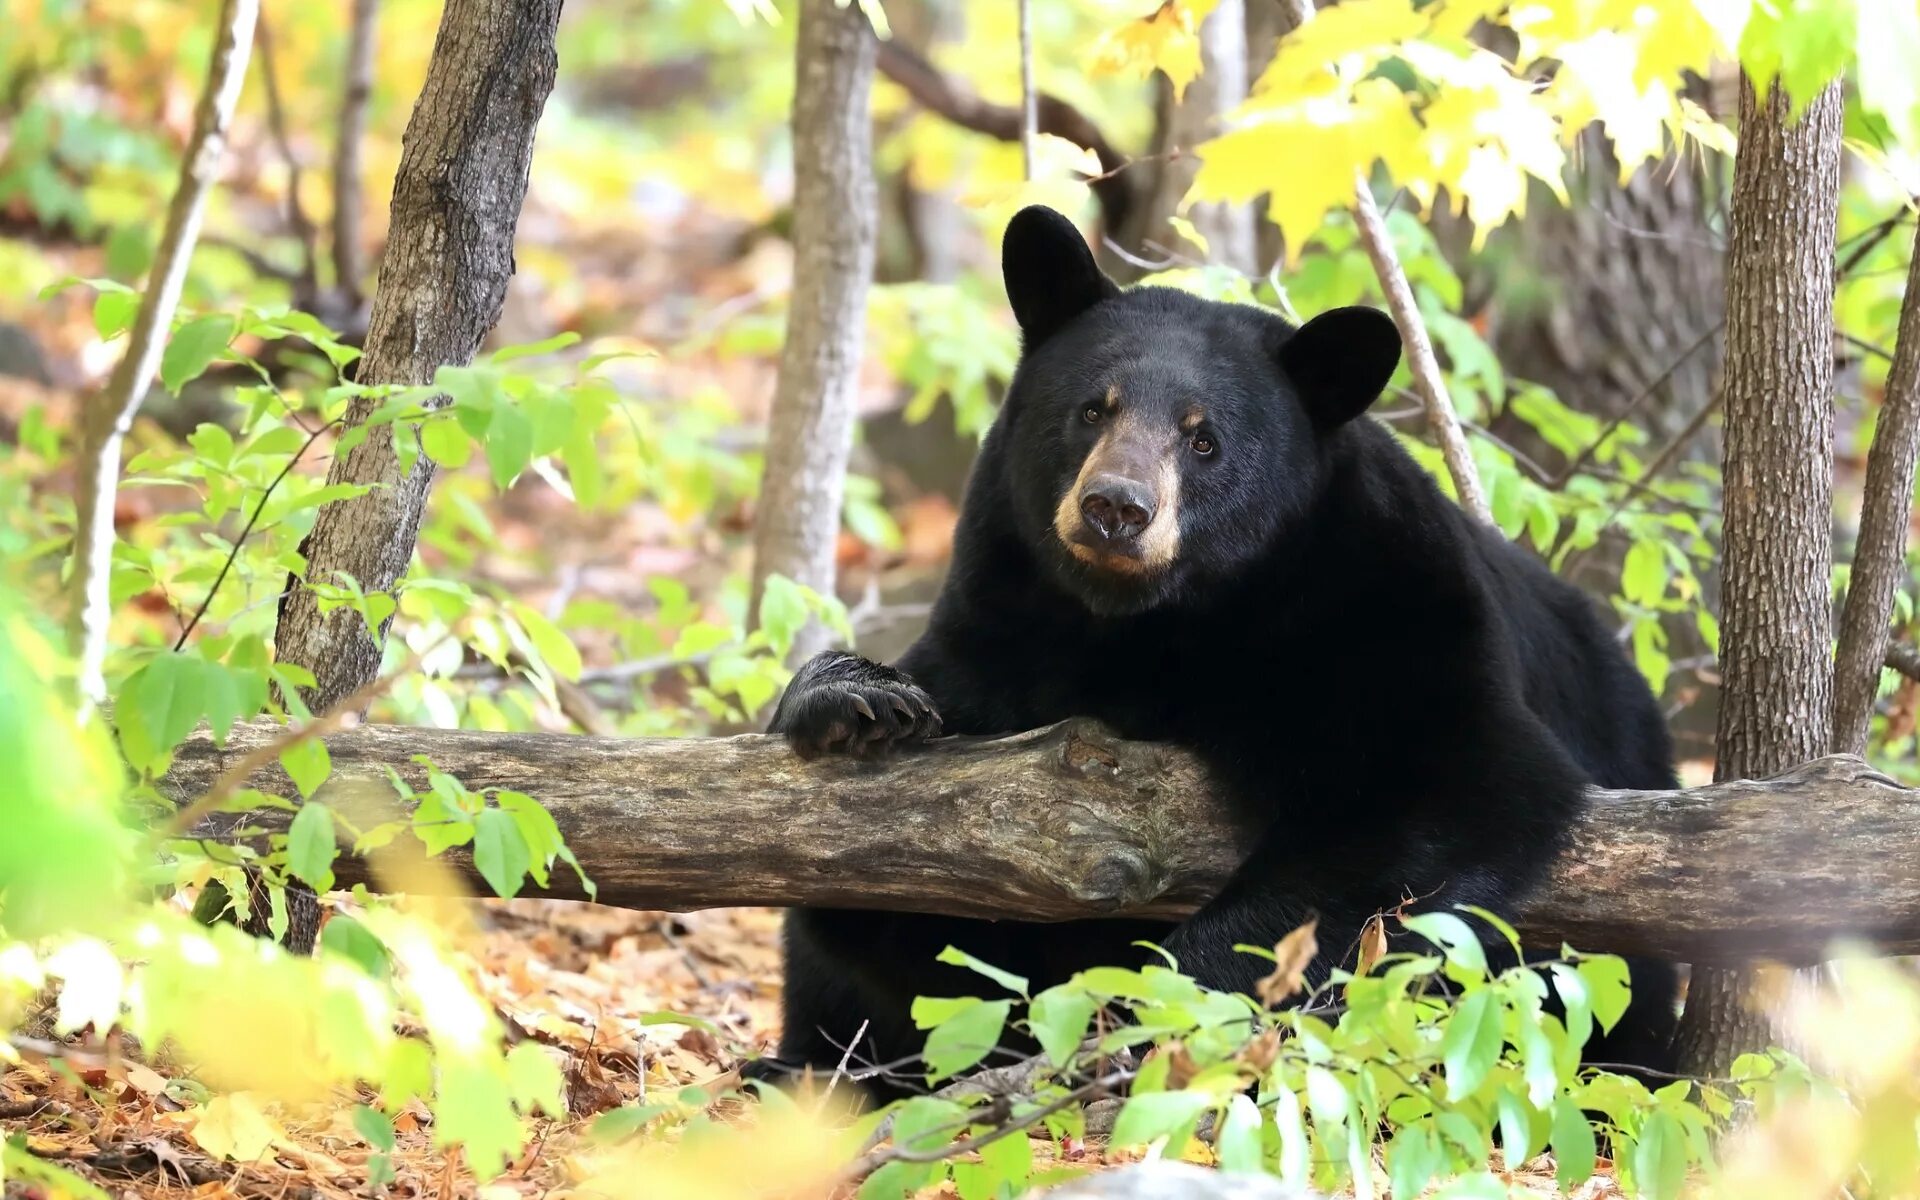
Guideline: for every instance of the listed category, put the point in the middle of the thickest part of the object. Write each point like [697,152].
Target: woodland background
[597,556]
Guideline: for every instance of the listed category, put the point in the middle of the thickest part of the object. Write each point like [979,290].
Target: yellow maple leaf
[233,1126]
[1167,40]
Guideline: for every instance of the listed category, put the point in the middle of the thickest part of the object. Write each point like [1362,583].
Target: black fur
[1402,703]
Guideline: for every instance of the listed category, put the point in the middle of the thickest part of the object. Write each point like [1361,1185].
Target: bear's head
[1160,442]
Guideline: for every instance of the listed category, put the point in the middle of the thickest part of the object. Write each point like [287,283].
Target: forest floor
[596,986]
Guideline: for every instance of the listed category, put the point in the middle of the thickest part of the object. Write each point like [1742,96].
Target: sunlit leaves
[310,846]
[193,348]
[1167,40]
[158,705]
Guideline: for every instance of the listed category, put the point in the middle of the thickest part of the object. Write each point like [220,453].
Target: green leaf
[371,1124]
[445,442]
[356,943]
[964,1038]
[1413,1157]
[193,348]
[1455,938]
[509,443]
[1660,1158]
[1606,978]
[1472,1043]
[929,1012]
[1573,1144]
[1238,1142]
[307,764]
[554,646]
[1295,1159]
[1003,1170]
[1575,997]
[1516,1126]
[1158,1114]
[537,829]
[558,341]
[500,852]
[536,1080]
[954,956]
[1643,576]
[113,312]
[1058,1019]
[310,846]
[159,705]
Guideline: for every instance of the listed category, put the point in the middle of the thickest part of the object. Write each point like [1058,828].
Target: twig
[841,1070]
[1029,102]
[1428,382]
[343,715]
[346,151]
[106,421]
[866,1164]
[1640,397]
[241,541]
[297,220]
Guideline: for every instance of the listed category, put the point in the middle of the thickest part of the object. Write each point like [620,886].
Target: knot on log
[1115,877]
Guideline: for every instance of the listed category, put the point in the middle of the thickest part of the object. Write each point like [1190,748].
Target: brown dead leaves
[1291,957]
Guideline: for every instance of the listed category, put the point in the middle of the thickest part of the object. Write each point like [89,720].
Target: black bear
[1179,525]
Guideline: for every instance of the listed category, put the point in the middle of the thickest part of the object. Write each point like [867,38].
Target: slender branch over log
[456,205]
[1427,380]
[351,133]
[1069,822]
[109,416]
[1880,552]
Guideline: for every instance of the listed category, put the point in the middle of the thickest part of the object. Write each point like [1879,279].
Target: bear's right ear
[1340,362]
[1051,276]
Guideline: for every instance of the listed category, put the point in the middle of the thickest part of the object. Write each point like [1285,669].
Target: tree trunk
[106,421]
[456,204]
[797,523]
[1776,624]
[1070,822]
[1880,552]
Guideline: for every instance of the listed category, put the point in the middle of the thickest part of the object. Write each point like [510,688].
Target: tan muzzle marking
[1122,447]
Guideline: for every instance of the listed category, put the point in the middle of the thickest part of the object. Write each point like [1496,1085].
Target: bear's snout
[1116,508]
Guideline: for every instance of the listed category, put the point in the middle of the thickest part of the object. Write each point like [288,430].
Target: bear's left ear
[1340,361]
[1051,276]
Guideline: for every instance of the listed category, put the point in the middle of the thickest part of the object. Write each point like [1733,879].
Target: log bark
[1880,552]
[1775,650]
[456,204]
[1068,822]
[835,213]
[108,417]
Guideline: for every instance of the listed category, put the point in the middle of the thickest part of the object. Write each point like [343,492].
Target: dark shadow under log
[1070,822]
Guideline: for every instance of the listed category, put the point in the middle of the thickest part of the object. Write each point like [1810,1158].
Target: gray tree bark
[797,523]
[1776,624]
[1069,822]
[1880,550]
[106,420]
[456,204]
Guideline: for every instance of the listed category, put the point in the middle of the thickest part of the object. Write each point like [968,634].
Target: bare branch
[1880,552]
[297,221]
[1029,103]
[1904,659]
[935,91]
[107,419]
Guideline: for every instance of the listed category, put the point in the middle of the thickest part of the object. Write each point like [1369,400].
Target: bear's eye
[1092,413]
[1203,444]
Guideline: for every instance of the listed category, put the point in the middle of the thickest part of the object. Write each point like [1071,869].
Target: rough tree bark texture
[1070,822]
[350,134]
[456,204]
[1775,623]
[797,522]
[1879,553]
[106,420]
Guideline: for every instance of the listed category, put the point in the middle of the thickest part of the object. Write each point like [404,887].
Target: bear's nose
[1115,507]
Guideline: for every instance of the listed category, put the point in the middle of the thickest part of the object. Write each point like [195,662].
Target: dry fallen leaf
[1291,957]
[1373,944]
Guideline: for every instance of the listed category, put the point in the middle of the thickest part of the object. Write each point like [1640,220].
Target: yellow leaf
[1167,39]
[232,1126]
[1350,39]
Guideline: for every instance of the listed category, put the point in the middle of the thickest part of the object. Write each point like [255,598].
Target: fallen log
[1070,822]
